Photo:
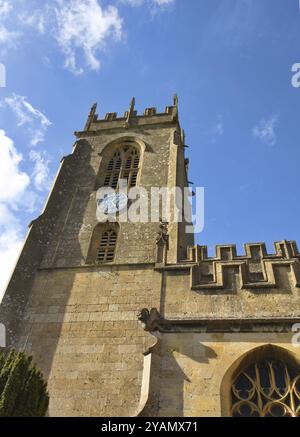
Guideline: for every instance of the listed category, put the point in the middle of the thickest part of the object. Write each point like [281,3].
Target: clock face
[112,203]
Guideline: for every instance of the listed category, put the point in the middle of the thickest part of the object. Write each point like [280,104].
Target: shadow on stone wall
[65,253]
[169,379]
[33,309]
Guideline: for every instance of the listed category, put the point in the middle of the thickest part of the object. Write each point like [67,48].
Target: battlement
[254,251]
[148,112]
[130,118]
[256,269]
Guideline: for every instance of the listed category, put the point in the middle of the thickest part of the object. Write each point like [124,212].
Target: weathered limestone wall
[82,328]
[191,373]
[257,285]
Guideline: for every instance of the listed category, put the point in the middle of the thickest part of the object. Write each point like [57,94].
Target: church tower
[131,318]
[77,289]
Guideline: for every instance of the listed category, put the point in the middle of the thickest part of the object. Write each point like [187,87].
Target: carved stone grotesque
[163,234]
[150,319]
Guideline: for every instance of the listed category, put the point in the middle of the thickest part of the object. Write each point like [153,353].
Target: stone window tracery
[107,246]
[124,164]
[266,388]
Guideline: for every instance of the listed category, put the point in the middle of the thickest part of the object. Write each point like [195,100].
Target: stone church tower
[131,319]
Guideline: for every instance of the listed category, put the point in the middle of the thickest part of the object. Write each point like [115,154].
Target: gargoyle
[150,319]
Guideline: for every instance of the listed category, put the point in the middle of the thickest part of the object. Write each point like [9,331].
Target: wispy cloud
[5,8]
[82,29]
[86,26]
[37,124]
[36,19]
[41,171]
[163,2]
[143,2]
[26,114]
[22,193]
[265,130]
[8,37]
[218,128]
[134,3]
[19,190]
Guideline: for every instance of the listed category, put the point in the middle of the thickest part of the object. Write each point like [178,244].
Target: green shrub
[23,391]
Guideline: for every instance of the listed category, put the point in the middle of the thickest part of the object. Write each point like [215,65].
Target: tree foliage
[23,391]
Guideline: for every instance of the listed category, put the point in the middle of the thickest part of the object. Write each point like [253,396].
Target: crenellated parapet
[130,118]
[254,251]
[256,269]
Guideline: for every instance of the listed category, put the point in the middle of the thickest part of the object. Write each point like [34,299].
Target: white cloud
[38,136]
[5,8]
[15,197]
[86,26]
[12,196]
[10,160]
[7,37]
[133,2]
[163,2]
[265,130]
[26,114]
[81,28]
[35,19]
[41,171]
[11,241]
[141,2]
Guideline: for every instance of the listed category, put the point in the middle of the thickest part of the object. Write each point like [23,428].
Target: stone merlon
[111,120]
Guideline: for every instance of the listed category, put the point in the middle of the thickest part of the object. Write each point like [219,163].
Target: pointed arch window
[269,387]
[103,243]
[124,164]
[113,171]
[107,247]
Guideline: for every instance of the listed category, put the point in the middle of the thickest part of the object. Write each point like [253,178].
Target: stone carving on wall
[153,321]
[150,319]
[162,243]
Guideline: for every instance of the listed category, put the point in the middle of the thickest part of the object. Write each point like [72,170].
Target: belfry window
[124,164]
[103,243]
[266,388]
[107,246]
[113,171]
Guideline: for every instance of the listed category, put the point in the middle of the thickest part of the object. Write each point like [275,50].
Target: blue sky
[230,63]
